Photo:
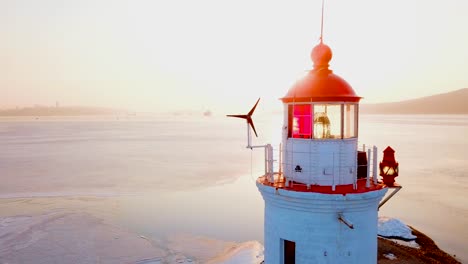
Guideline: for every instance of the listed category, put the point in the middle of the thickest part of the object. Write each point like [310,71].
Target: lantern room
[321,105]
[320,133]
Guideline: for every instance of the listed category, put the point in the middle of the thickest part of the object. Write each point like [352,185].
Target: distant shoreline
[451,103]
[60,111]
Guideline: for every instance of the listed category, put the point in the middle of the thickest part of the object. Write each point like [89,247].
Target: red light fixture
[389,167]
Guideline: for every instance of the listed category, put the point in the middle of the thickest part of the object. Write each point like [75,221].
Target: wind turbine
[248,118]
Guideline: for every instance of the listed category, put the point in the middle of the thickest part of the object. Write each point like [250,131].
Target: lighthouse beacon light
[323,193]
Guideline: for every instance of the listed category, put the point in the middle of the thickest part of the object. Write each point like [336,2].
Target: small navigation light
[389,167]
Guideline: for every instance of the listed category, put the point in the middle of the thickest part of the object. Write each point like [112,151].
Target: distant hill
[455,102]
[60,111]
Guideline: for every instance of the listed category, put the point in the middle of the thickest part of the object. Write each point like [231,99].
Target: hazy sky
[221,55]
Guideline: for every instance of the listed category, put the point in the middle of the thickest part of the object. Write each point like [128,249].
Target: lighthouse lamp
[388,167]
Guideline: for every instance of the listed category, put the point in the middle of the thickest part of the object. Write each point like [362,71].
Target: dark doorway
[289,252]
[362,164]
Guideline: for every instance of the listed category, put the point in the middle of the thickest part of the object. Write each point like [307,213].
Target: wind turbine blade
[238,116]
[248,117]
[249,120]
[253,108]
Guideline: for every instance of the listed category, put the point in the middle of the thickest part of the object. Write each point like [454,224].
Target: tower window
[327,121]
[300,121]
[350,120]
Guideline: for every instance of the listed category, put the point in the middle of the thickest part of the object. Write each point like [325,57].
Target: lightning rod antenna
[321,24]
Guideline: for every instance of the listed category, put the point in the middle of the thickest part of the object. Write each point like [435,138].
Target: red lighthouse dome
[320,84]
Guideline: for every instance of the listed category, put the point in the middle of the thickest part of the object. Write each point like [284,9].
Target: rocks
[427,253]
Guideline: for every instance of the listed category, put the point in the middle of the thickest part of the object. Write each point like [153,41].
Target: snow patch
[411,244]
[393,228]
[390,256]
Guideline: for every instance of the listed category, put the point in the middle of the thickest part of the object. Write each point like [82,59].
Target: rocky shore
[390,252]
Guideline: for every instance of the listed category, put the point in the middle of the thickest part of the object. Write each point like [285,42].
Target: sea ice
[79,237]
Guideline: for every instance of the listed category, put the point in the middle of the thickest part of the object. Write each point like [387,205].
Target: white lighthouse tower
[322,198]
[318,208]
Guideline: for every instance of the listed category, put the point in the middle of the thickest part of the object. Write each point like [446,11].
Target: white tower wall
[323,162]
[311,221]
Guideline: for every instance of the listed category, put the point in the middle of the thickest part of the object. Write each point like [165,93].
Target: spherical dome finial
[321,55]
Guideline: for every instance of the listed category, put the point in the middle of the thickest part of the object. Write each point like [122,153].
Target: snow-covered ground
[396,231]
[393,228]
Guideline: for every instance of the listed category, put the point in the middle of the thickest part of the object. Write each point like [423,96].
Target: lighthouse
[321,206]
[321,190]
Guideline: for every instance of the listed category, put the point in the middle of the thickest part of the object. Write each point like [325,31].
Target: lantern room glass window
[300,121]
[327,121]
[323,121]
[350,121]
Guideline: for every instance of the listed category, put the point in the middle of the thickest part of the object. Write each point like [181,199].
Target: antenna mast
[321,24]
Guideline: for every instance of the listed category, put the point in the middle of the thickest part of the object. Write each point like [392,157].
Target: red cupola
[320,84]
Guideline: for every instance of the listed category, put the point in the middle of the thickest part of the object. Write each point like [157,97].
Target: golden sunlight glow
[196,55]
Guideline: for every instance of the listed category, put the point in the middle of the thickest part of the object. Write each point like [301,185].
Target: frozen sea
[186,184]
